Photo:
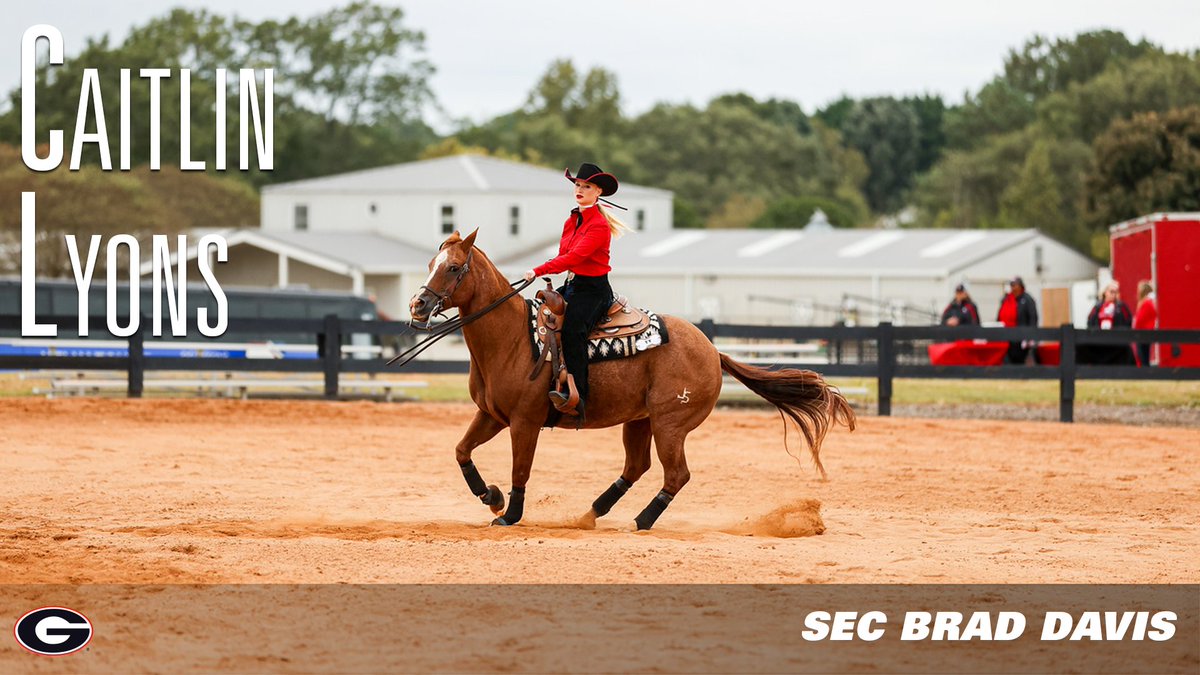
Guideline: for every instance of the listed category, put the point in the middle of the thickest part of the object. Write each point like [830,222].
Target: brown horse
[661,394]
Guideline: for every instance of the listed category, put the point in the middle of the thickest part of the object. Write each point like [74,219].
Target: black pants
[588,298]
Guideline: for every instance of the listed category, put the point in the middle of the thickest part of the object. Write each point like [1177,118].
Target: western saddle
[620,320]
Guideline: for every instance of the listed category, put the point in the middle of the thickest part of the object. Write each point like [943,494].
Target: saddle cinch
[621,320]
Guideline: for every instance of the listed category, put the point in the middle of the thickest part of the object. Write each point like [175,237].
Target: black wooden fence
[884,338]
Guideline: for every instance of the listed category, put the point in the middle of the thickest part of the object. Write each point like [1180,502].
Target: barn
[824,275]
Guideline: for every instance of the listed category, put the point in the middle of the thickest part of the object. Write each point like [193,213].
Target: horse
[661,394]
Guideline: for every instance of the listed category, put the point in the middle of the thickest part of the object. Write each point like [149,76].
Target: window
[641,219]
[301,217]
[447,219]
[514,220]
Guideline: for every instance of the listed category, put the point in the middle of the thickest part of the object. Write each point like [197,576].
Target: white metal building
[813,276]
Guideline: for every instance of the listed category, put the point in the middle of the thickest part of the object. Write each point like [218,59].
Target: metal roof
[457,173]
[371,253]
[838,252]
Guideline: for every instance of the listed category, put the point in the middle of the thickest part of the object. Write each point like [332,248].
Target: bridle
[452,324]
[442,297]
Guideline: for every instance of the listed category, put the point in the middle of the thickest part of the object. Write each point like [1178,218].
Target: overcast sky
[489,54]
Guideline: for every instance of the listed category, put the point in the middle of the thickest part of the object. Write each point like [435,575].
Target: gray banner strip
[609,628]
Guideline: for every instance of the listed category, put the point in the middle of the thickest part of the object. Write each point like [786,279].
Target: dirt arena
[206,491]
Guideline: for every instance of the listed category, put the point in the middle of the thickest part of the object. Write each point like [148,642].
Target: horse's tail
[802,395]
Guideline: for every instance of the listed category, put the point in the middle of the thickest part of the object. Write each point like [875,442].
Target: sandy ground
[179,527]
[204,491]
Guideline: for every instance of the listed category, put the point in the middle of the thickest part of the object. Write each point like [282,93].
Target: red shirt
[584,249]
[1147,314]
[1008,311]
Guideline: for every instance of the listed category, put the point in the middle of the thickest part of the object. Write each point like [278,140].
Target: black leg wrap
[474,480]
[653,510]
[604,502]
[516,508]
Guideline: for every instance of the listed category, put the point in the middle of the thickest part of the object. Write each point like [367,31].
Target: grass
[453,388]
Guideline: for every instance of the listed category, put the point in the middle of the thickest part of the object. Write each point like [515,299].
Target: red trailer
[1164,248]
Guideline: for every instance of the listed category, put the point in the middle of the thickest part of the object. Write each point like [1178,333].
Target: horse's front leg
[481,430]
[524,443]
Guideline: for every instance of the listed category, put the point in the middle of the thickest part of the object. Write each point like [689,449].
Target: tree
[1157,82]
[787,114]
[1043,67]
[930,111]
[793,212]
[1035,200]
[1146,164]
[998,108]
[886,132]
[708,156]
[834,114]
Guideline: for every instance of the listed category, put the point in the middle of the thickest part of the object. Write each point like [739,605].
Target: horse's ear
[470,240]
[452,239]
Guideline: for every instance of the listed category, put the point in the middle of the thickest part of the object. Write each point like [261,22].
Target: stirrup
[566,403]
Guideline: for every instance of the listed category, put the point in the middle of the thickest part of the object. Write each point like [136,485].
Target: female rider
[583,252]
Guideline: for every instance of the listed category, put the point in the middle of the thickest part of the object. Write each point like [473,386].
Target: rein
[453,324]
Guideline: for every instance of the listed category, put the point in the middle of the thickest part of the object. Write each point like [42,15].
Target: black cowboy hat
[590,173]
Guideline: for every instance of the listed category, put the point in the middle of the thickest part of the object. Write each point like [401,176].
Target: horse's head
[449,283]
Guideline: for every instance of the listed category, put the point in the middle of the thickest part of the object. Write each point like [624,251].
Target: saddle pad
[604,349]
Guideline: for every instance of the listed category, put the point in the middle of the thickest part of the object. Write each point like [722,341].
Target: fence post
[330,347]
[709,328]
[1066,376]
[136,376]
[885,350]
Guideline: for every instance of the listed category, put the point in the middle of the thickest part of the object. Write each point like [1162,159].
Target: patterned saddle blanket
[603,348]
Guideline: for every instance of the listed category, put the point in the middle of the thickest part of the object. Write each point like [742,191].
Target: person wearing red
[583,252]
[1018,309]
[1145,318]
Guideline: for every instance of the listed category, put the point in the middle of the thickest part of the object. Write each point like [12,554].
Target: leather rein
[453,324]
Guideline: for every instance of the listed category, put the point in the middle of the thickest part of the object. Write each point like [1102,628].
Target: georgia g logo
[53,631]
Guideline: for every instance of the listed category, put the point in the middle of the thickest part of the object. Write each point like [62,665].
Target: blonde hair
[1144,289]
[615,226]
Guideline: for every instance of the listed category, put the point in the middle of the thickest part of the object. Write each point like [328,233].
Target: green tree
[834,114]
[1043,67]
[1035,200]
[886,132]
[1156,82]
[930,111]
[1146,164]
[708,156]
[787,114]
[998,108]
[794,212]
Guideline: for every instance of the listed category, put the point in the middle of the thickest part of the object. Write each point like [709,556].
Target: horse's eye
[454,269]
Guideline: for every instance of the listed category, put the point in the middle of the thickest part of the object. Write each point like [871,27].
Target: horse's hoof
[494,499]
[502,522]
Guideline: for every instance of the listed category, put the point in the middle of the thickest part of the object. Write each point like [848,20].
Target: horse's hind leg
[675,474]
[481,430]
[636,436]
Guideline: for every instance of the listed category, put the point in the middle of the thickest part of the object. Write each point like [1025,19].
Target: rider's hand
[529,275]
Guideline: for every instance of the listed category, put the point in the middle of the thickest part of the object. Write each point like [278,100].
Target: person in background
[1110,312]
[1145,318]
[962,310]
[1018,309]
